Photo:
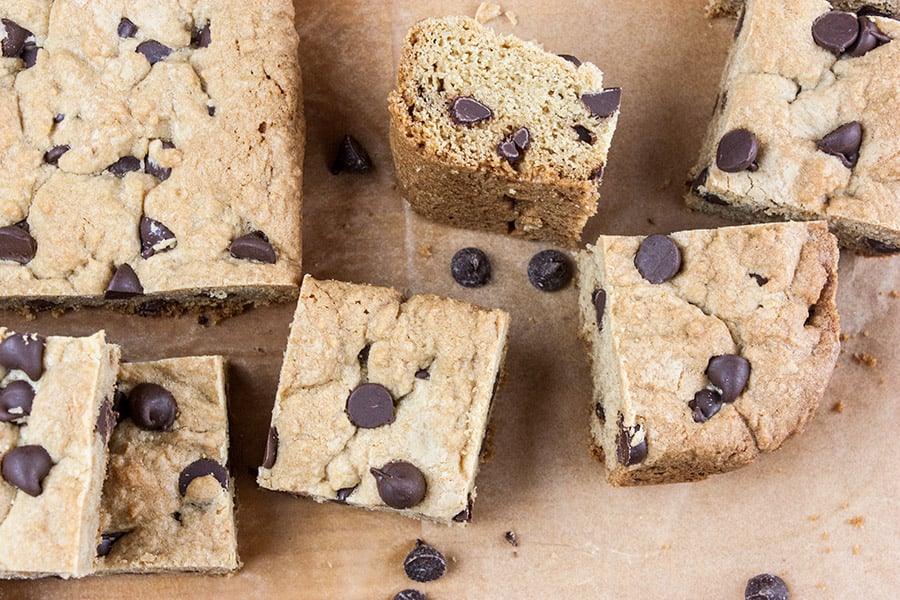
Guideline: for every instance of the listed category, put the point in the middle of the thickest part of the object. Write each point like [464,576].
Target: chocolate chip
[14,41]
[603,104]
[363,356]
[25,468]
[155,237]
[424,563]
[466,110]
[370,405]
[125,165]
[201,37]
[870,37]
[120,404]
[513,147]
[879,247]
[729,373]
[465,515]
[29,54]
[871,11]
[835,31]
[549,270]
[766,587]
[107,541]
[844,143]
[153,51]
[598,410]
[597,175]
[24,351]
[126,28]
[59,118]
[740,24]
[344,493]
[400,484]
[737,151]
[202,468]
[16,244]
[627,451]
[15,401]
[599,300]
[512,538]
[211,110]
[160,172]
[584,134]
[271,449]
[351,157]
[410,595]
[572,59]
[760,280]
[51,156]
[470,267]
[705,404]
[422,374]
[124,284]
[152,407]
[253,246]
[658,258]
[106,420]
[699,181]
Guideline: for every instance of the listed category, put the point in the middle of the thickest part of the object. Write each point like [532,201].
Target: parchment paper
[822,512]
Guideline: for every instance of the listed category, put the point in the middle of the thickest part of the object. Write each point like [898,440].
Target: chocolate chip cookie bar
[490,132]
[150,156]
[55,418]
[805,127]
[168,500]
[384,402]
[733,8]
[708,346]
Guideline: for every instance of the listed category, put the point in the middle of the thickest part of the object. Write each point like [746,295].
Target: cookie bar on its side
[384,402]
[707,347]
[168,500]
[490,132]
[55,418]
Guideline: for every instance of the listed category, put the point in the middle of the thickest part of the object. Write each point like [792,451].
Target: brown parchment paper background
[822,512]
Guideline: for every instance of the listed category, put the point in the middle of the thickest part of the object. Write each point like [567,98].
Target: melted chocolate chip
[201,37]
[370,405]
[125,165]
[870,37]
[470,267]
[729,373]
[16,244]
[124,284]
[271,449]
[766,587]
[584,134]
[627,452]
[400,484]
[152,407]
[52,156]
[705,404]
[844,143]
[835,31]
[658,258]
[14,42]
[25,468]
[424,563]
[760,280]
[202,468]
[126,28]
[155,237]
[253,246]
[737,151]
[599,300]
[549,270]
[106,420]
[513,147]
[25,352]
[344,493]
[879,247]
[153,51]
[15,401]
[351,157]
[468,111]
[572,59]
[107,541]
[603,104]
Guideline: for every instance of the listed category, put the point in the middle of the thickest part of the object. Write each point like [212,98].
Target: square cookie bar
[708,346]
[490,132]
[55,418]
[150,154]
[168,501]
[384,402]
[806,124]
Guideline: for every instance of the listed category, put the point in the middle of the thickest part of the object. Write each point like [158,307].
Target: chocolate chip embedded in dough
[584,134]
[201,37]
[152,407]
[107,541]
[766,587]
[271,449]
[124,284]
[879,247]
[125,165]
[658,258]
[422,374]
[15,39]
[253,246]
[513,147]
[737,151]
[844,143]
[631,444]
[836,31]
[603,104]
[155,237]
[870,37]
[598,410]
[106,419]
[400,484]
[760,280]
[470,267]
[549,270]
[370,405]
[699,181]
[465,515]
[126,28]
[25,352]
[202,468]
[153,51]
[211,110]
[424,563]
[59,118]
[466,110]
[52,156]
[17,244]
[351,157]
[29,54]
[25,467]
[160,172]
[344,493]
[15,401]
[598,298]
[410,595]
[572,59]
[705,404]
[729,373]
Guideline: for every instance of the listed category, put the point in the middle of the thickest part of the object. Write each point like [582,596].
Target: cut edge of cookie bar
[733,8]
[55,533]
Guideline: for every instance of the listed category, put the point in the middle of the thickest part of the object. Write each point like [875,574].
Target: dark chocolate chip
[351,157]
[24,351]
[177,516]
[512,538]
[152,407]
[15,401]
[549,270]
[870,37]
[584,134]
[370,405]
[29,54]
[628,453]
[363,356]
[155,237]
[766,587]
[202,468]
[120,404]
[879,247]
[126,28]
[424,563]
[14,41]
[25,468]
[572,59]
[107,541]
[466,110]
[513,147]
[598,410]
[465,515]
[760,280]
[51,156]
[737,151]
[160,172]
[400,484]
[740,24]
[211,110]
[344,493]
[844,143]
[729,373]
[253,246]
[470,267]
[59,118]
[658,258]
[106,420]
[125,165]
[422,374]
[16,244]
[271,449]
[153,51]
[603,104]
[201,37]
[124,284]
[705,404]
[599,300]
[699,181]
[410,595]
[835,31]
[597,175]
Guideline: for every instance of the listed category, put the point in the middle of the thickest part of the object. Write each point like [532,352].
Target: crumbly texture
[163,530]
[454,174]
[790,93]
[765,292]
[440,420]
[733,8]
[56,533]
[232,111]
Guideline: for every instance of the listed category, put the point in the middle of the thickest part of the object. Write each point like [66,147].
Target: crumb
[511,17]
[487,11]
[895,294]
[844,505]
[664,185]
[650,221]
[865,333]
[532,320]
[820,586]
[838,406]
[814,517]
[856,521]
[844,337]
[881,381]
[512,538]
[824,535]
[554,555]
[856,550]
[666,547]
[864,358]
[828,549]
[425,251]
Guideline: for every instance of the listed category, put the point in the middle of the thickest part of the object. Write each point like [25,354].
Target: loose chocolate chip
[370,405]
[155,237]
[29,54]
[201,37]
[410,595]
[424,563]
[465,515]
[202,468]
[24,351]
[844,143]
[572,59]
[16,244]
[766,587]
[51,156]
[253,246]
[422,374]
[400,484]
[124,284]
[729,373]
[870,37]
[470,267]
[363,356]
[836,31]
[512,538]
[152,407]
[271,449]
[603,104]
[107,541]
[125,165]
[153,51]
[760,280]
[25,468]
[126,29]
[513,147]
[344,493]
[466,110]
[737,151]
[15,401]
[584,134]
[106,420]
[705,404]
[351,157]
[658,258]
[598,409]
[599,300]
[627,452]
[549,270]
[14,41]
[879,247]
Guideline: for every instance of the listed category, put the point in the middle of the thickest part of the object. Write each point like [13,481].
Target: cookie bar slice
[55,418]
[384,402]
[168,500]
[490,132]
[805,127]
[707,347]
